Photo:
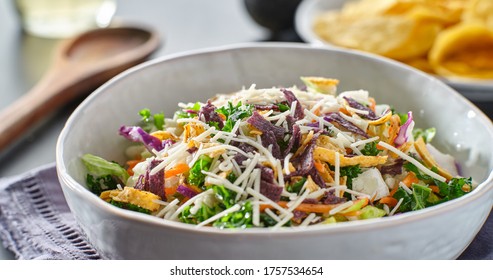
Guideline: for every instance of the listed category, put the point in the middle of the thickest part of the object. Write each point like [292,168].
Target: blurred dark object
[275,15]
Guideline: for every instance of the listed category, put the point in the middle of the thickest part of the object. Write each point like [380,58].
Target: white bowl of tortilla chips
[449,38]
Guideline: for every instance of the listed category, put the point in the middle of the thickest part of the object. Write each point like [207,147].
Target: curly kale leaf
[238,219]
[204,213]
[97,185]
[196,177]
[234,113]
[225,196]
[130,206]
[149,120]
[296,186]
[351,172]
[370,149]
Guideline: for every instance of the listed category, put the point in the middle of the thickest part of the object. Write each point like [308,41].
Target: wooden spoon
[81,65]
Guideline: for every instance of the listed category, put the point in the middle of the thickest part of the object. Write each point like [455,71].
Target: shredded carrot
[178,169]
[222,116]
[169,191]
[410,179]
[317,112]
[352,213]
[389,200]
[394,190]
[344,111]
[304,207]
[131,164]
[319,166]
[435,189]
[373,103]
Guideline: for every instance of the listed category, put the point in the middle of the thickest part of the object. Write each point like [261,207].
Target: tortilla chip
[407,30]
[479,10]
[392,36]
[465,50]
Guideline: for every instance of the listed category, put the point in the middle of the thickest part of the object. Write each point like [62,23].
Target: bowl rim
[68,183]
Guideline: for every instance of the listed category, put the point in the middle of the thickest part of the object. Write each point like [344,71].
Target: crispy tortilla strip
[325,142]
[306,138]
[322,85]
[310,185]
[192,130]
[164,135]
[325,173]
[382,119]
[428,159]
[329,156]
[133,196]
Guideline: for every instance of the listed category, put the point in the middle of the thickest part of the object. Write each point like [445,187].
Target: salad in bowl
[278,157]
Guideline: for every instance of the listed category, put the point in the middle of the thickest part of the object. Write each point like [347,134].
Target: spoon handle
[50,93]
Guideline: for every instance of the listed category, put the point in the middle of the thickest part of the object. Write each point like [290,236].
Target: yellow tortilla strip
[320,84]
[383,119]
[428,159]
[329,156]
[134,196]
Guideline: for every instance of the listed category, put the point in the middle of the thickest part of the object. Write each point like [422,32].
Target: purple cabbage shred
[402,136]
[137,134]
[185,191]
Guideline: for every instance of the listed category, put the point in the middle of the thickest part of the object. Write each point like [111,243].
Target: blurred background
[30,30]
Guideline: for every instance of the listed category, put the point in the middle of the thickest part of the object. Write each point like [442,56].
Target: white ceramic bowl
[440,232]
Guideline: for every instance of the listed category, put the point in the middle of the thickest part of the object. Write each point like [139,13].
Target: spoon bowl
[81,64]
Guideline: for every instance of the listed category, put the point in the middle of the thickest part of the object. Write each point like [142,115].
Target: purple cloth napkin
[36,223]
